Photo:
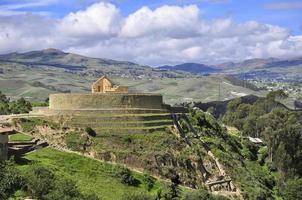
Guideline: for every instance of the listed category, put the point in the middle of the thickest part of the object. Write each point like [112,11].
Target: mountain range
[246,65]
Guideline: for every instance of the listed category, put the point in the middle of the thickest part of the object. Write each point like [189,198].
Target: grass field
[91,176]
[19,138]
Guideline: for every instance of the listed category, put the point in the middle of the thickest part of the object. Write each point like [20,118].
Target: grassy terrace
[91,176]
[19,138]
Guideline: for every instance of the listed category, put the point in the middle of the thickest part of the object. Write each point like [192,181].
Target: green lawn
[91,176]
[20,138]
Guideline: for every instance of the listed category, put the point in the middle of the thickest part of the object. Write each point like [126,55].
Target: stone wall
[104,101]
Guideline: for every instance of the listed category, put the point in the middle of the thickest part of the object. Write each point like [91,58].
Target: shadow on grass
[20,160]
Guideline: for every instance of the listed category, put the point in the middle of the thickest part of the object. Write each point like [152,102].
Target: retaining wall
[72,101]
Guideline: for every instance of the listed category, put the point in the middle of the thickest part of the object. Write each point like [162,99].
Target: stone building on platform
[105,85]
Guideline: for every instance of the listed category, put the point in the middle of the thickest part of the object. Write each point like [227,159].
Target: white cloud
[172,21]
[167,34]
[98,20]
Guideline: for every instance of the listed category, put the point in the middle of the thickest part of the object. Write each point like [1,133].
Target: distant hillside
[56,59]
[261,63]
[193,68]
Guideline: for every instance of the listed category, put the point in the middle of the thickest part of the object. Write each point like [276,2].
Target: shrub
[293,189]
[10,179]
[66,189]
[149,181]
[75,141]
[90,131]
[40,181]
[125,176]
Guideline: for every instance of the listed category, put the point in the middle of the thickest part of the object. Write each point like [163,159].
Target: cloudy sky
[155,32]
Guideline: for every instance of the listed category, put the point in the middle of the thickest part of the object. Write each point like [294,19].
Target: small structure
[255,140]
[4,132]
[105,85]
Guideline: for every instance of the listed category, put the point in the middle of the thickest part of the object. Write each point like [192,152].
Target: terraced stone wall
[104,101]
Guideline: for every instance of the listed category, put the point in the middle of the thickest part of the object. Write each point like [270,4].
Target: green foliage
[75,141]
[173,192]
[20,137]
[197,195]
[201,194]
[10,179]
[275,95]
[39,104]
[90,176]
[40,181]
[238,157]
[137,196]
[293,189]
[65,189]
[279,127]
[149,181]
[28,125]
[3,98]
[90,131]
[126,176]
[43,184]
[13,107]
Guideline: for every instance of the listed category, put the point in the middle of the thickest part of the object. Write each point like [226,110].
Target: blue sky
[262,28]
[240,10]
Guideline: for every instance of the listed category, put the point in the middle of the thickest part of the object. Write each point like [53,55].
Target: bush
[126,176]
[75,141]
[149,181]
[66,189]
[16,107]
[40,181]
[10,179]
[293,189]
[197,195]
[90,131]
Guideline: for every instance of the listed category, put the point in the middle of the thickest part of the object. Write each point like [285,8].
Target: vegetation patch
[20,138]
[90,176]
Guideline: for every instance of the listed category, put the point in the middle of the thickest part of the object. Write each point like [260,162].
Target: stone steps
[121,123]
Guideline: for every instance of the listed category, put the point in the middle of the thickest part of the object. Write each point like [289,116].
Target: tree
[198,195]
[293,189]
[125,176]
[173,192]
[65,189]
[10,179]
[3,98]
[149,181]
[90,131]
[275,95]
[40,181]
